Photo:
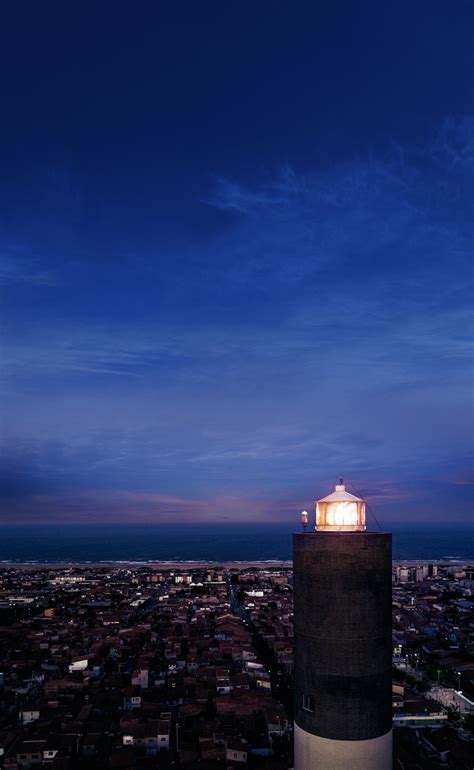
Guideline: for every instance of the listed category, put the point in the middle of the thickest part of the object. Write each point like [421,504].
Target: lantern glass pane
[340,514]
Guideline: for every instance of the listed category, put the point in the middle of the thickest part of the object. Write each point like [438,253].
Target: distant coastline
[199,564]
[162,564]
[220,543]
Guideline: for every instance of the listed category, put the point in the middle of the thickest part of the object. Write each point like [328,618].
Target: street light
[304,519]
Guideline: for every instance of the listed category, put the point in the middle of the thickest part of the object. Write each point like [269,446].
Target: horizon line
[228,522]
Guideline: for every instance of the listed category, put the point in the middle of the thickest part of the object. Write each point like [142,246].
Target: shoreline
[167,564]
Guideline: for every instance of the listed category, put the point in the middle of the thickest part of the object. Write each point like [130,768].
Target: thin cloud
[331,332]
[23,270]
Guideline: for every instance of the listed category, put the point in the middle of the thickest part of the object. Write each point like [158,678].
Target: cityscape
[164,666]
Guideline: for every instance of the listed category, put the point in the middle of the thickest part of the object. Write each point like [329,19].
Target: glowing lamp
[340,512]
[304,519]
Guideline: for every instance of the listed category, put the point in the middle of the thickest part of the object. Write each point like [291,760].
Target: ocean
[206,542]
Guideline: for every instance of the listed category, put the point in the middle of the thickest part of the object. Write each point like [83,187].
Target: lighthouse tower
[343,640]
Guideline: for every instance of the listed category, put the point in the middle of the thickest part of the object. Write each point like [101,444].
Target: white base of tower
[315,753]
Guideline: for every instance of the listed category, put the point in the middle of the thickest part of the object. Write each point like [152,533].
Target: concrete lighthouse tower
[343,640]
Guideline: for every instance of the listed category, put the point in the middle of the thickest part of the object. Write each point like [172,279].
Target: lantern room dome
[340,512]
[340,495]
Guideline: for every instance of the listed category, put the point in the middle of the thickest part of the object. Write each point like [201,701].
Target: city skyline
[236,262]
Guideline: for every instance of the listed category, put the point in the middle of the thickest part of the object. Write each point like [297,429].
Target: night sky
[235,259]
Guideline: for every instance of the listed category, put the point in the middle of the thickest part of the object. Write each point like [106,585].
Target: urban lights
[340,511]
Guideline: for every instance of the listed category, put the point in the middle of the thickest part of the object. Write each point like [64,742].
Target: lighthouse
[342,640]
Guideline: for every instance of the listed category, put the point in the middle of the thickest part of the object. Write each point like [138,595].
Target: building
[343,640]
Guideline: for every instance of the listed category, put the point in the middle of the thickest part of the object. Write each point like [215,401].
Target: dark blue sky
[235,258]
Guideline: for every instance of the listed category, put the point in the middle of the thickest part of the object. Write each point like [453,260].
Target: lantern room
[340,512]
